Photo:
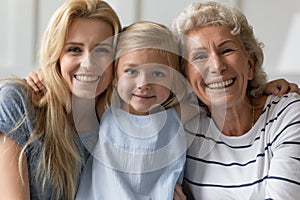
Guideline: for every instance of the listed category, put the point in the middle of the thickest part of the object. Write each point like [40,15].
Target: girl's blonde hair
[215,13]
[61,160]
[145,35]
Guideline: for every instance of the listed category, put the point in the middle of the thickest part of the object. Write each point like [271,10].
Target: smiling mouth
[87,78]
[142,96]
[221,85]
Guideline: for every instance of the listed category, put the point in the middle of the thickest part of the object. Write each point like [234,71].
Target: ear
[251,65]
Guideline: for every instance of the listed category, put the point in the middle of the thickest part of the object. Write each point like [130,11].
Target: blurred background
[276,23]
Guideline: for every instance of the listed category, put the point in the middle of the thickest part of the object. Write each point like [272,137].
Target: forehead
[93,29]
[210,35]
[144,56]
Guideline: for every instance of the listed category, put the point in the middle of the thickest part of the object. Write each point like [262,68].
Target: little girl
[140,153]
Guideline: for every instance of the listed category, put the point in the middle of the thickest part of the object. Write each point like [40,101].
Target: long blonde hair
[61,160]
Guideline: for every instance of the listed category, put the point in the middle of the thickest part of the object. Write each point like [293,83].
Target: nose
[143,82]
[216,64]
[87,61]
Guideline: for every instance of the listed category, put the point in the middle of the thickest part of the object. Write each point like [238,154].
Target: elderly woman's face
[218,67]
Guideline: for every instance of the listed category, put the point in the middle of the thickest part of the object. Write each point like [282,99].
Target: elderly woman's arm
[11,184]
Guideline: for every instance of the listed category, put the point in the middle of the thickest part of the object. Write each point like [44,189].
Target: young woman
[41,154]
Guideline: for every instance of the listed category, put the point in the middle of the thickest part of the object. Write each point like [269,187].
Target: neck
[239,119]
[84,114]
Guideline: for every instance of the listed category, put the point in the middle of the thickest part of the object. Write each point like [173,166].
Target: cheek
[193,75]
[65,68]
[106,80]
[165,93]
[125,88]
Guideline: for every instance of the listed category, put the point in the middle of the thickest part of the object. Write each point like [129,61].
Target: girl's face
[86,59]
[143,79]
[219,67]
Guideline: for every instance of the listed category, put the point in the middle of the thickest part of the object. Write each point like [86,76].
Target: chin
[85,94]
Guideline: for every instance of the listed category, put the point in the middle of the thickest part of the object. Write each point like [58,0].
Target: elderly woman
[248,145]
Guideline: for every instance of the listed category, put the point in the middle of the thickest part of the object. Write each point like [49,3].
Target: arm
[280,87]
[11,185]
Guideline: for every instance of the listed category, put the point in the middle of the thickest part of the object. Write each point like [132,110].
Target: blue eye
[131,72]
[200,57]
[158,74]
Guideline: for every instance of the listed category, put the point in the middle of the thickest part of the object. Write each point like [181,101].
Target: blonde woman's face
[143,80]
[86,59]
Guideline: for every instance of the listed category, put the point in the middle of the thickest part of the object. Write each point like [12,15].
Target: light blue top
[13,107]
[136,157]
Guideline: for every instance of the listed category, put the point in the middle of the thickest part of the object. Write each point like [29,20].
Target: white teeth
[85,78]
[220,85]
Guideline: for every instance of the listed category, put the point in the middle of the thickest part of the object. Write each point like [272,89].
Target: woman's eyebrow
[197,49]
[74,43]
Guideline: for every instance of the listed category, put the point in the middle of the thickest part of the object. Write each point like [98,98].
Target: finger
[293,88]
[40,74]
[40,81]
[283,89]
[35,80]
[176,196]
[276,92]
[40,85]
[34,76]
[31,83]
[178,193]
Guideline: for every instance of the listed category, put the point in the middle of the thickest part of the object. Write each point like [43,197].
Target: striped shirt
[264,163]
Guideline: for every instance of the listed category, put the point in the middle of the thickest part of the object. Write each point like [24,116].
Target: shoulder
[13,97]
[282,112]
[11,91]
[286,103]
[13,109]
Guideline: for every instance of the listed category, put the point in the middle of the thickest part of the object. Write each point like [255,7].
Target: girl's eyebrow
[128,64]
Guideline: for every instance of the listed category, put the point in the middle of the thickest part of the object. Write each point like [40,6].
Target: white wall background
[23,22]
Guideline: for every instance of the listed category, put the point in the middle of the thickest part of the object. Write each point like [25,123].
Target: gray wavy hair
[200,14]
